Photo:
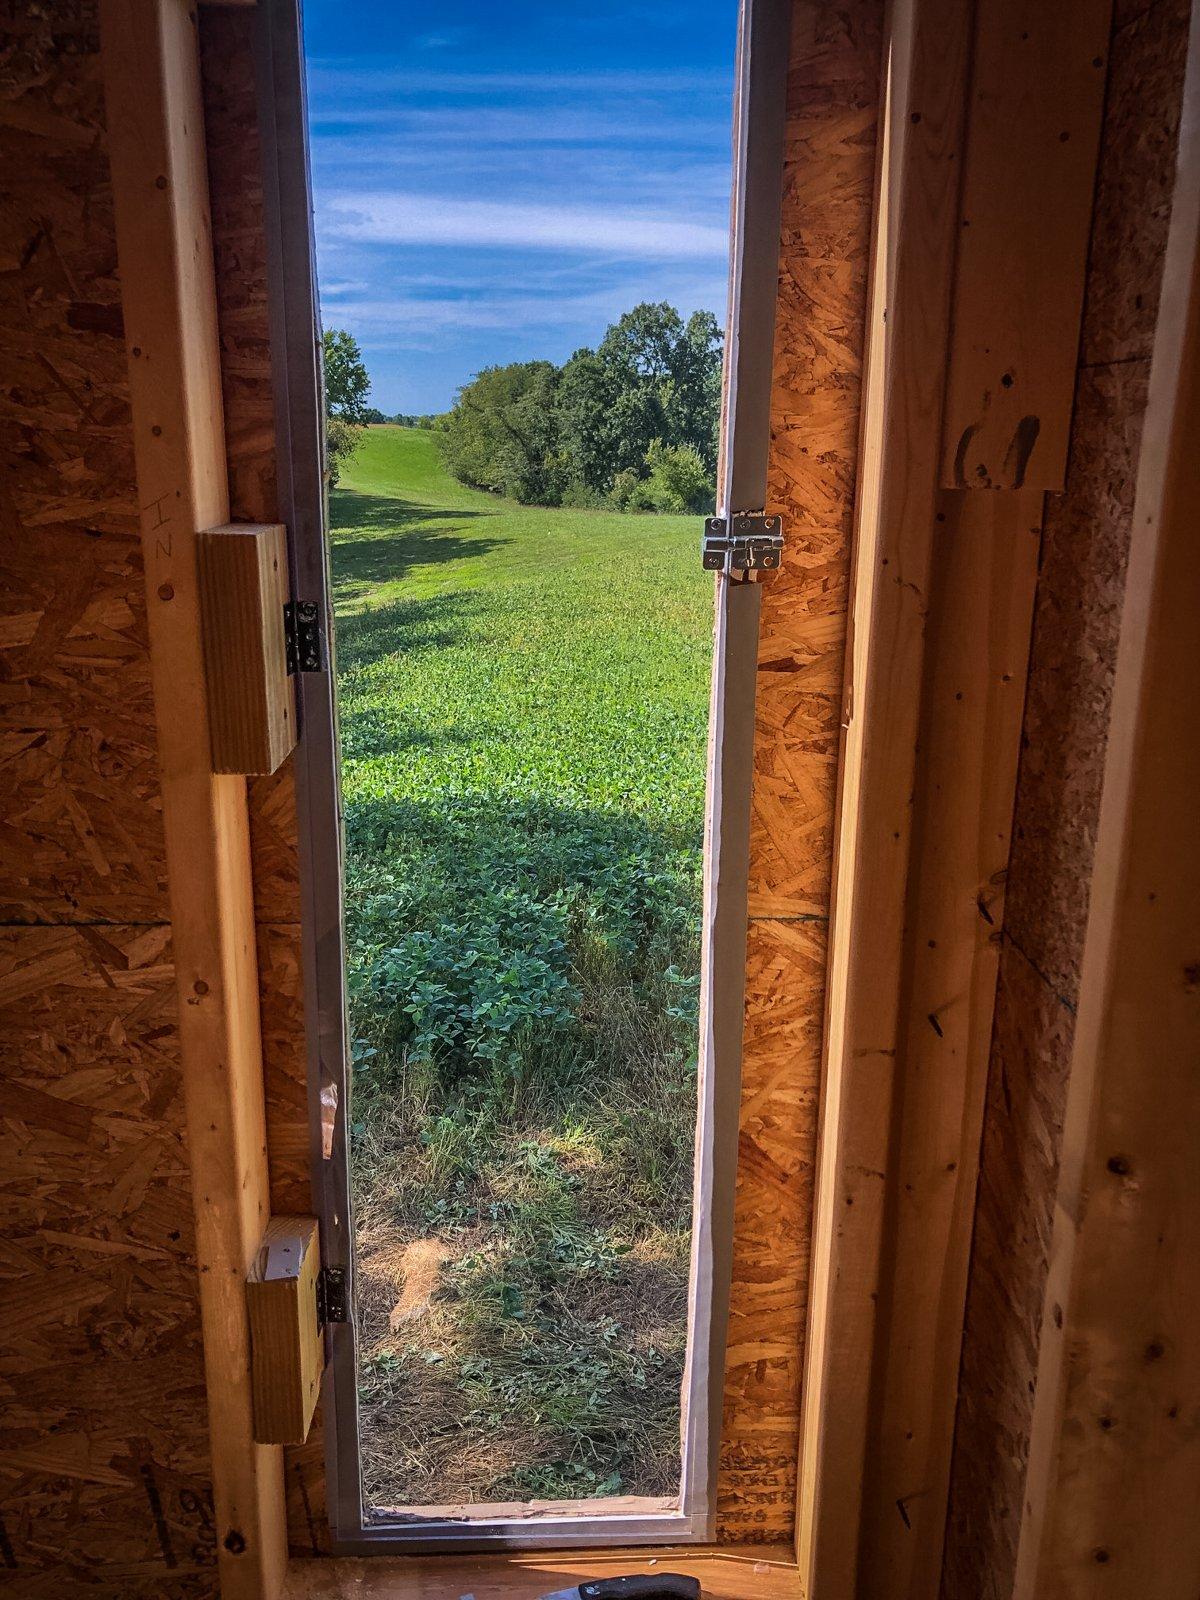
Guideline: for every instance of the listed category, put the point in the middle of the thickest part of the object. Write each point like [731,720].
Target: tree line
[632,424]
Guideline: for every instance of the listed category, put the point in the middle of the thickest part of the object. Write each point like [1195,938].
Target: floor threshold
[733,1572]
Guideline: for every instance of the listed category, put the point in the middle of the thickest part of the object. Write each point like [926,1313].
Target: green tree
[502,435]
[653,376]
[347,386]
[632,423]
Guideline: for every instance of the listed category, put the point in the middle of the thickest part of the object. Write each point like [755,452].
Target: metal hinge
[748,541]
[333,1301]
[302,636]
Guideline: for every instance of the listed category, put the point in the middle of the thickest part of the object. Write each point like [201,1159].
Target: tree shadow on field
[396,627]
[380,539]
[371,731]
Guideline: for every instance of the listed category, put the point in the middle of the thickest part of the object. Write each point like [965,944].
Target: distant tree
[372,416]
[632,423]
[653,376]
[347,386]
[501,433]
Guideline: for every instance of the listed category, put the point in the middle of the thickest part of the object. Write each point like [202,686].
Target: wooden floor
[765,1572]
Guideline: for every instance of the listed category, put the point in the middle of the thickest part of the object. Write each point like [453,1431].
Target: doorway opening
[518,1155]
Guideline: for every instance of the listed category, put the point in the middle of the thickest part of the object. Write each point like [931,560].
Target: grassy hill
[523,700]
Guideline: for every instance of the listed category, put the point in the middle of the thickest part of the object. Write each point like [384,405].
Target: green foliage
[583,435]
[501,434]
[524,785]
[346,382]
[346,388]
[677,479]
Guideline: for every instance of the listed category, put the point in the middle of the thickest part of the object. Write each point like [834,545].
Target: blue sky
[498,182]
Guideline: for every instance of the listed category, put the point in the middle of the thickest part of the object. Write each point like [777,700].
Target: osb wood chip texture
[103,1439]
[833,95]
[1081,585]
[240,250]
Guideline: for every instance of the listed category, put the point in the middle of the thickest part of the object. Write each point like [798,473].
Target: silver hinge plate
[333,1300]
[747,541]
[302,636]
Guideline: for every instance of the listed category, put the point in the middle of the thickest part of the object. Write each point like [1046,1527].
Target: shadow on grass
[379,539]
[395,627]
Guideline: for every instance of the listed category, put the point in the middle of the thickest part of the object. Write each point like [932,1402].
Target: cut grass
[523,697]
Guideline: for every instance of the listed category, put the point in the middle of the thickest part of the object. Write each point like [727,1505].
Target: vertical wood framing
[299,433]
[942,609]
[1033,129]
[926,53]
[1114,1466]
[165,255]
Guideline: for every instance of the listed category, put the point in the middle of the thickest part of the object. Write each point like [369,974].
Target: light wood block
[1033,129]
[286,1348]
[251,702]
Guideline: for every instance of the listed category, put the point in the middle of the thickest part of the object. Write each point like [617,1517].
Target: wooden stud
[286,1348]
[243,591]
[1114,1462]
[1033,129]
[924,93]
[160,189]
[976,659]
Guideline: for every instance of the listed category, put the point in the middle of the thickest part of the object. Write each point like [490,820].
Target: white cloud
[423,219]
[353,78]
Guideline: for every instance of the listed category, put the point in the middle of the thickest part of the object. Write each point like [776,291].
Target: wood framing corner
[160,185]
[942,605]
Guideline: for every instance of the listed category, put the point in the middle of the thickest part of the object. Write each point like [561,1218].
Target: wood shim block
[286,1348]
[1033,128]
[243,590]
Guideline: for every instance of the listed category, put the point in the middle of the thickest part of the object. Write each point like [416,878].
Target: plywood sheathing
[240,254]
[833,94]
[103,1449]
[82,833]
[1085,546]
[104,1445]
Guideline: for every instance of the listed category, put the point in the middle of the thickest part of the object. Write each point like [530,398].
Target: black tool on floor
[634,1586]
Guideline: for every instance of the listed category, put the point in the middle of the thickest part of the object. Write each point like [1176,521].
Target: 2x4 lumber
[926,52]
[287,1348]
[1033,130]
[980,609]
[1114,1457]
[243,590]
[152,94]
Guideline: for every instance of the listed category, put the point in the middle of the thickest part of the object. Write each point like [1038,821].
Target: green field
[523,703]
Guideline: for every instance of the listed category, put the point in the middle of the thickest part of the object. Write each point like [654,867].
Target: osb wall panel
[103,1443]
[1085,545]
[240,248]
[103,1450]
[82,836]
[833,93]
